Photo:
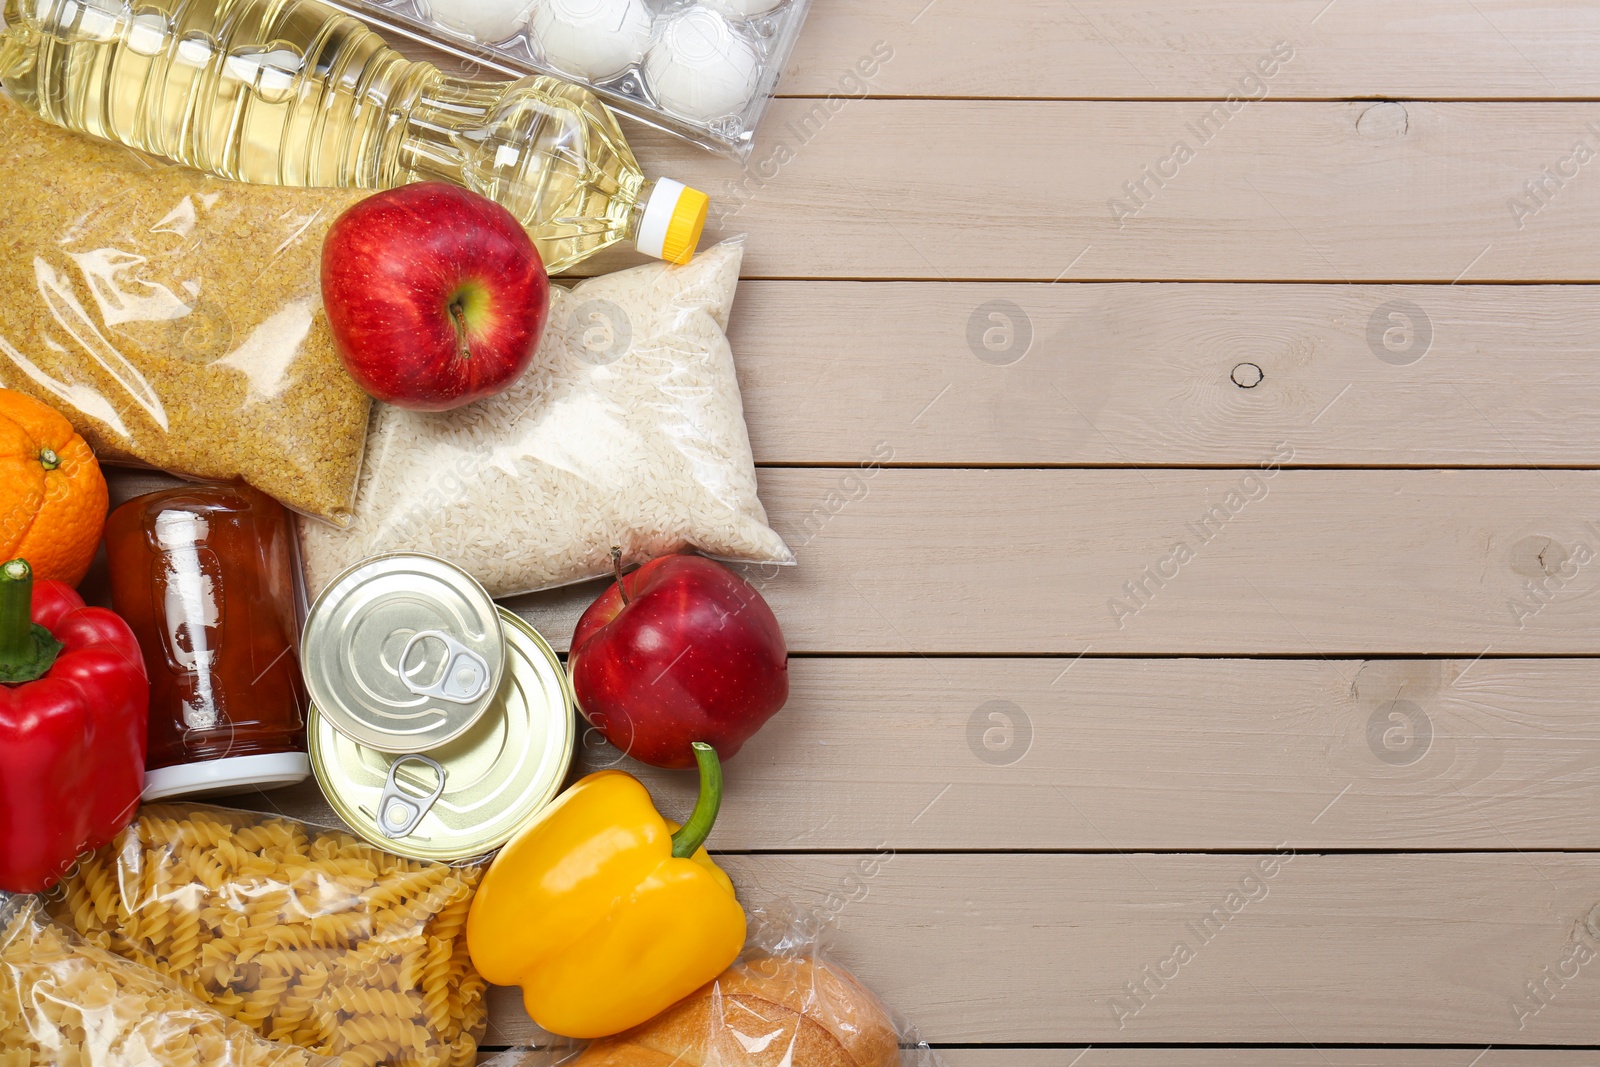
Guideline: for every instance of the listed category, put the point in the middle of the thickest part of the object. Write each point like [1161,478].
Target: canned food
[469,796]
[403,653]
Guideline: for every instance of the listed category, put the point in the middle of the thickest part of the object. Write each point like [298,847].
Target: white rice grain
[626,430]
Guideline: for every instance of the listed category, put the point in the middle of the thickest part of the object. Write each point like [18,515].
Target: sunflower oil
[294,92]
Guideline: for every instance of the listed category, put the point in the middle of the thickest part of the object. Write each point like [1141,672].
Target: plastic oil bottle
[293,92]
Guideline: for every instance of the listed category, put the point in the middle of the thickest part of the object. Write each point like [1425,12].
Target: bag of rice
[175,319]
[626,431]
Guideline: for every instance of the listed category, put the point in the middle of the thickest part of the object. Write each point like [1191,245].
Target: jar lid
[470,796]
[219,777]
[403,652]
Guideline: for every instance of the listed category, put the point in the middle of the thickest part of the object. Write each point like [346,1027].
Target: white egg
[593,39]
[743,9]
[699,67]
[486,21]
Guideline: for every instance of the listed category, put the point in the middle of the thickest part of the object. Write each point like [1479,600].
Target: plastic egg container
[703,69]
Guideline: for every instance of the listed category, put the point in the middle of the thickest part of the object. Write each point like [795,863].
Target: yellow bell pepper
[601,913]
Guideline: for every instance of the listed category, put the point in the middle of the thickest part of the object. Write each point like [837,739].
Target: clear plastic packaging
[295,92]
[65,1003]
[176,319]
[785,1003]
[306,935]
[627,430]
[701,69]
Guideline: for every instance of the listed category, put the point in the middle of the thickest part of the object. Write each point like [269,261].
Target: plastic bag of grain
[627,430]
[175,319]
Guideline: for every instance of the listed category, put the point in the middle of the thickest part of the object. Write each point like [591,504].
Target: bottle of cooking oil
[293,92]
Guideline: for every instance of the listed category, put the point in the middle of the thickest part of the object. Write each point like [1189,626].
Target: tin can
[469,796]
[403,652]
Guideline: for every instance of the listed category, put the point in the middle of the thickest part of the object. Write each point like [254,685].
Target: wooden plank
[1103,49]
[1309,563]
[1262,1057]
[1098,755]
[1111,1056]
[1164,754]
[1432,49]
[1276,191]
[1169,374]
[1145,373]
[1421,949]
[1318,563]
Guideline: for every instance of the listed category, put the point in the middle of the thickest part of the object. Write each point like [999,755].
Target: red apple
[681,650]
[436,295]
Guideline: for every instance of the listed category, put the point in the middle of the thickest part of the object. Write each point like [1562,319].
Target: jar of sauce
[206,577]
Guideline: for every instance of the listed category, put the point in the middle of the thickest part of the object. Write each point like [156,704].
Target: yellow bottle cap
[688,223]
[674,218]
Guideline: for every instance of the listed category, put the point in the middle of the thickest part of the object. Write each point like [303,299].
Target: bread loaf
[771,1011]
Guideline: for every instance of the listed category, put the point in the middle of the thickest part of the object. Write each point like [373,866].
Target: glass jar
[206,577]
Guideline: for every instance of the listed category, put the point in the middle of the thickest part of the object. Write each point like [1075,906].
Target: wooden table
[1211,662]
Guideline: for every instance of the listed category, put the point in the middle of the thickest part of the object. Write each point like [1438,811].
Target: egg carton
[701,69]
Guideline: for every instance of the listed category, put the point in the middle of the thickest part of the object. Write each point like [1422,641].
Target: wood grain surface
[1168,374]
[1155,50]
[1102,49]
[1306,949]
[1181,755]
[1293,562]
[1165,754]
[1307,1056]
[1032,742]
[1319,1056]
[1339,191]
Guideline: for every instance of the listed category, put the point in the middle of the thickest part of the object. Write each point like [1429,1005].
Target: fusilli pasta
[65,1003]
[308,935]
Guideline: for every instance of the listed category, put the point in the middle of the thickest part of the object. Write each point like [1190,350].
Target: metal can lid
[470,796]
[403,652]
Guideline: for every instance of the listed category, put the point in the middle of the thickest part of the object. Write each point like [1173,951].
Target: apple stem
[616,567]
[459,318]
[687,841]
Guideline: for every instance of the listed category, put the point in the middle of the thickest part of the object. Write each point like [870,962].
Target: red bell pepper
[74,706]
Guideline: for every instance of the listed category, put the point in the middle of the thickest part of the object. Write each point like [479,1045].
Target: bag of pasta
[64,1003]
[307,935]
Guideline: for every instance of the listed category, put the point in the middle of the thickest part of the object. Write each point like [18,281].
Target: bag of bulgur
[174,318]
[627,430]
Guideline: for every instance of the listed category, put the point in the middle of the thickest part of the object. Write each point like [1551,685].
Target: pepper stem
[16,611]
[687,841]
[27,650]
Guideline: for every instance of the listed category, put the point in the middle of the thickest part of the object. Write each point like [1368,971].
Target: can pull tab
[400,811]
[464,679]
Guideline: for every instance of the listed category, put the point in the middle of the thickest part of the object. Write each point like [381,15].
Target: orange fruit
[52,494]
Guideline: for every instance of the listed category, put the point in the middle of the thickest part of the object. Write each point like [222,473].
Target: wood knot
[1384,121]
[1247,375]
